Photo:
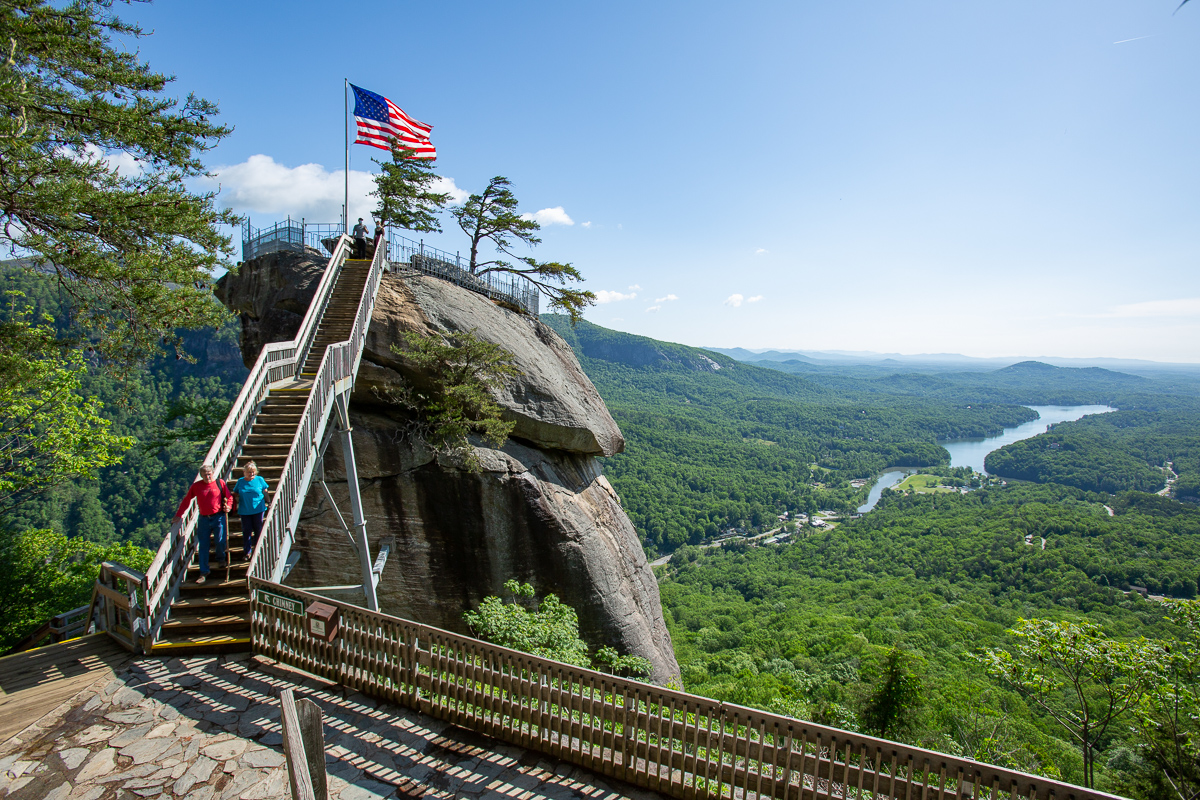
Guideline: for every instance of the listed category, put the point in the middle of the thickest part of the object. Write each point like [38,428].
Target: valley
[1062,525]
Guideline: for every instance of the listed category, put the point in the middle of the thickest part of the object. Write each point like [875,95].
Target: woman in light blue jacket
[251,491]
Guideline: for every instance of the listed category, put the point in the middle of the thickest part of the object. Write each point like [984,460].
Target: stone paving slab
[209,729]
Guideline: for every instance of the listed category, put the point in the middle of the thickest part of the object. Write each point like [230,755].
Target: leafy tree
[492,217]
[896,695]
[549,629]
[43,573]
[49,433]
[1168,717]
[455,400]
[93,186]
[633,666]
[404,187]
[194,420]
[132,500]
[1080,677]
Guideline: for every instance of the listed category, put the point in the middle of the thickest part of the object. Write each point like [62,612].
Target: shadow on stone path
[208,729]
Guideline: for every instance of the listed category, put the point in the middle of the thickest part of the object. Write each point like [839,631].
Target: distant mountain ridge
[942,361]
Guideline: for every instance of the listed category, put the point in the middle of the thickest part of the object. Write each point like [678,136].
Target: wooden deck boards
[34,683]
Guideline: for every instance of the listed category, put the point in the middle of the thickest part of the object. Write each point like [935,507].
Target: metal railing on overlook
[298,235]
[505,288]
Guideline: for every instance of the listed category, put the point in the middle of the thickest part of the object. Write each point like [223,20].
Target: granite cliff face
[539,510]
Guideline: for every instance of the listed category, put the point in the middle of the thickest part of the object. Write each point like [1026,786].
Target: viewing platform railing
[297,235]
[291,234]
[505,288]
[671,742]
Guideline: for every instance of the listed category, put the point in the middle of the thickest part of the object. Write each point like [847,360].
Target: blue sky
[995,179]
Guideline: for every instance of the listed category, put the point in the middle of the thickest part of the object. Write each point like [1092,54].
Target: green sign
[280,601]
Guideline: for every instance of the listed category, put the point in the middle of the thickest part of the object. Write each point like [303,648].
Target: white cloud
[617,319]
[605,296]
[754,299]
[666,299]
[761,251]
[261,185]
[635,288]
[587,224]
[1181,307]
[734,300]
[550,216]
[445,185]
[122,163]
[653,308]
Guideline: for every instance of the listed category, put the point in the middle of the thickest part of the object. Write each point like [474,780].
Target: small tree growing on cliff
[404,187]
[453,399]
[492,217]
[549,629]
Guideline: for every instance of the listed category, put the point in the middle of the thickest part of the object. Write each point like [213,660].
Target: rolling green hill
[713,443]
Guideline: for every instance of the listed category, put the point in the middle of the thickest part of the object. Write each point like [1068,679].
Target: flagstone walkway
[208,729]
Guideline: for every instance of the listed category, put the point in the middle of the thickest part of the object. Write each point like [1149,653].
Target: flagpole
[346,133]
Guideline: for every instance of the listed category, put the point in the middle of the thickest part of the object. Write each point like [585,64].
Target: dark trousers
[360,248]
[252,525]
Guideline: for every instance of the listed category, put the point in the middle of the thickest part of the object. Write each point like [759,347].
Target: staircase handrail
[335,375]
[276,361]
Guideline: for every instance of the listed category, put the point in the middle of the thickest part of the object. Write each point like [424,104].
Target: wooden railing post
[304,747]
[424,674]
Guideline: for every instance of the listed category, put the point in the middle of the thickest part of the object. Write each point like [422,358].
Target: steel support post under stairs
[346,445]
[357,530]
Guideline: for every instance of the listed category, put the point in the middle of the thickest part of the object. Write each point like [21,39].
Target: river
[972,452]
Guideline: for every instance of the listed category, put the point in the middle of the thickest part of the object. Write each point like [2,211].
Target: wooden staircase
[214,617]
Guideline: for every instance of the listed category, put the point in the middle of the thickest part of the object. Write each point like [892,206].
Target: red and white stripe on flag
[410,133]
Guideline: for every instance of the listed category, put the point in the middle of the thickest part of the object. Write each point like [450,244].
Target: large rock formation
[539,509]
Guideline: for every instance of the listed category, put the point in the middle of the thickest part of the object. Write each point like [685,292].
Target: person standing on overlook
[251,490]
[213,501]
[360,239]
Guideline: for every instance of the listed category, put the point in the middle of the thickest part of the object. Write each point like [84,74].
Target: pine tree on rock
[404,187]
[492,217]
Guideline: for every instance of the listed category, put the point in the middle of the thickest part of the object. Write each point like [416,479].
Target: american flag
[380,121]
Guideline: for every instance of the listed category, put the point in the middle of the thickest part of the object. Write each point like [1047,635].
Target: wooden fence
[667,741]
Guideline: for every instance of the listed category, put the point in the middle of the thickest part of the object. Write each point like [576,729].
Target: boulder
[546,517]
[539,510]
[552,402]
[270,294]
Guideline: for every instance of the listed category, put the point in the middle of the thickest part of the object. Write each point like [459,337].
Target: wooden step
[275,424]
[263,455]
[268,439]
[211,604]
[216,585]
[237,571]
[205,624]
[184,646]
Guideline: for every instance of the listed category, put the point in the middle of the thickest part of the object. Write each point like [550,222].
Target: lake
[886,480]
[972,452]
